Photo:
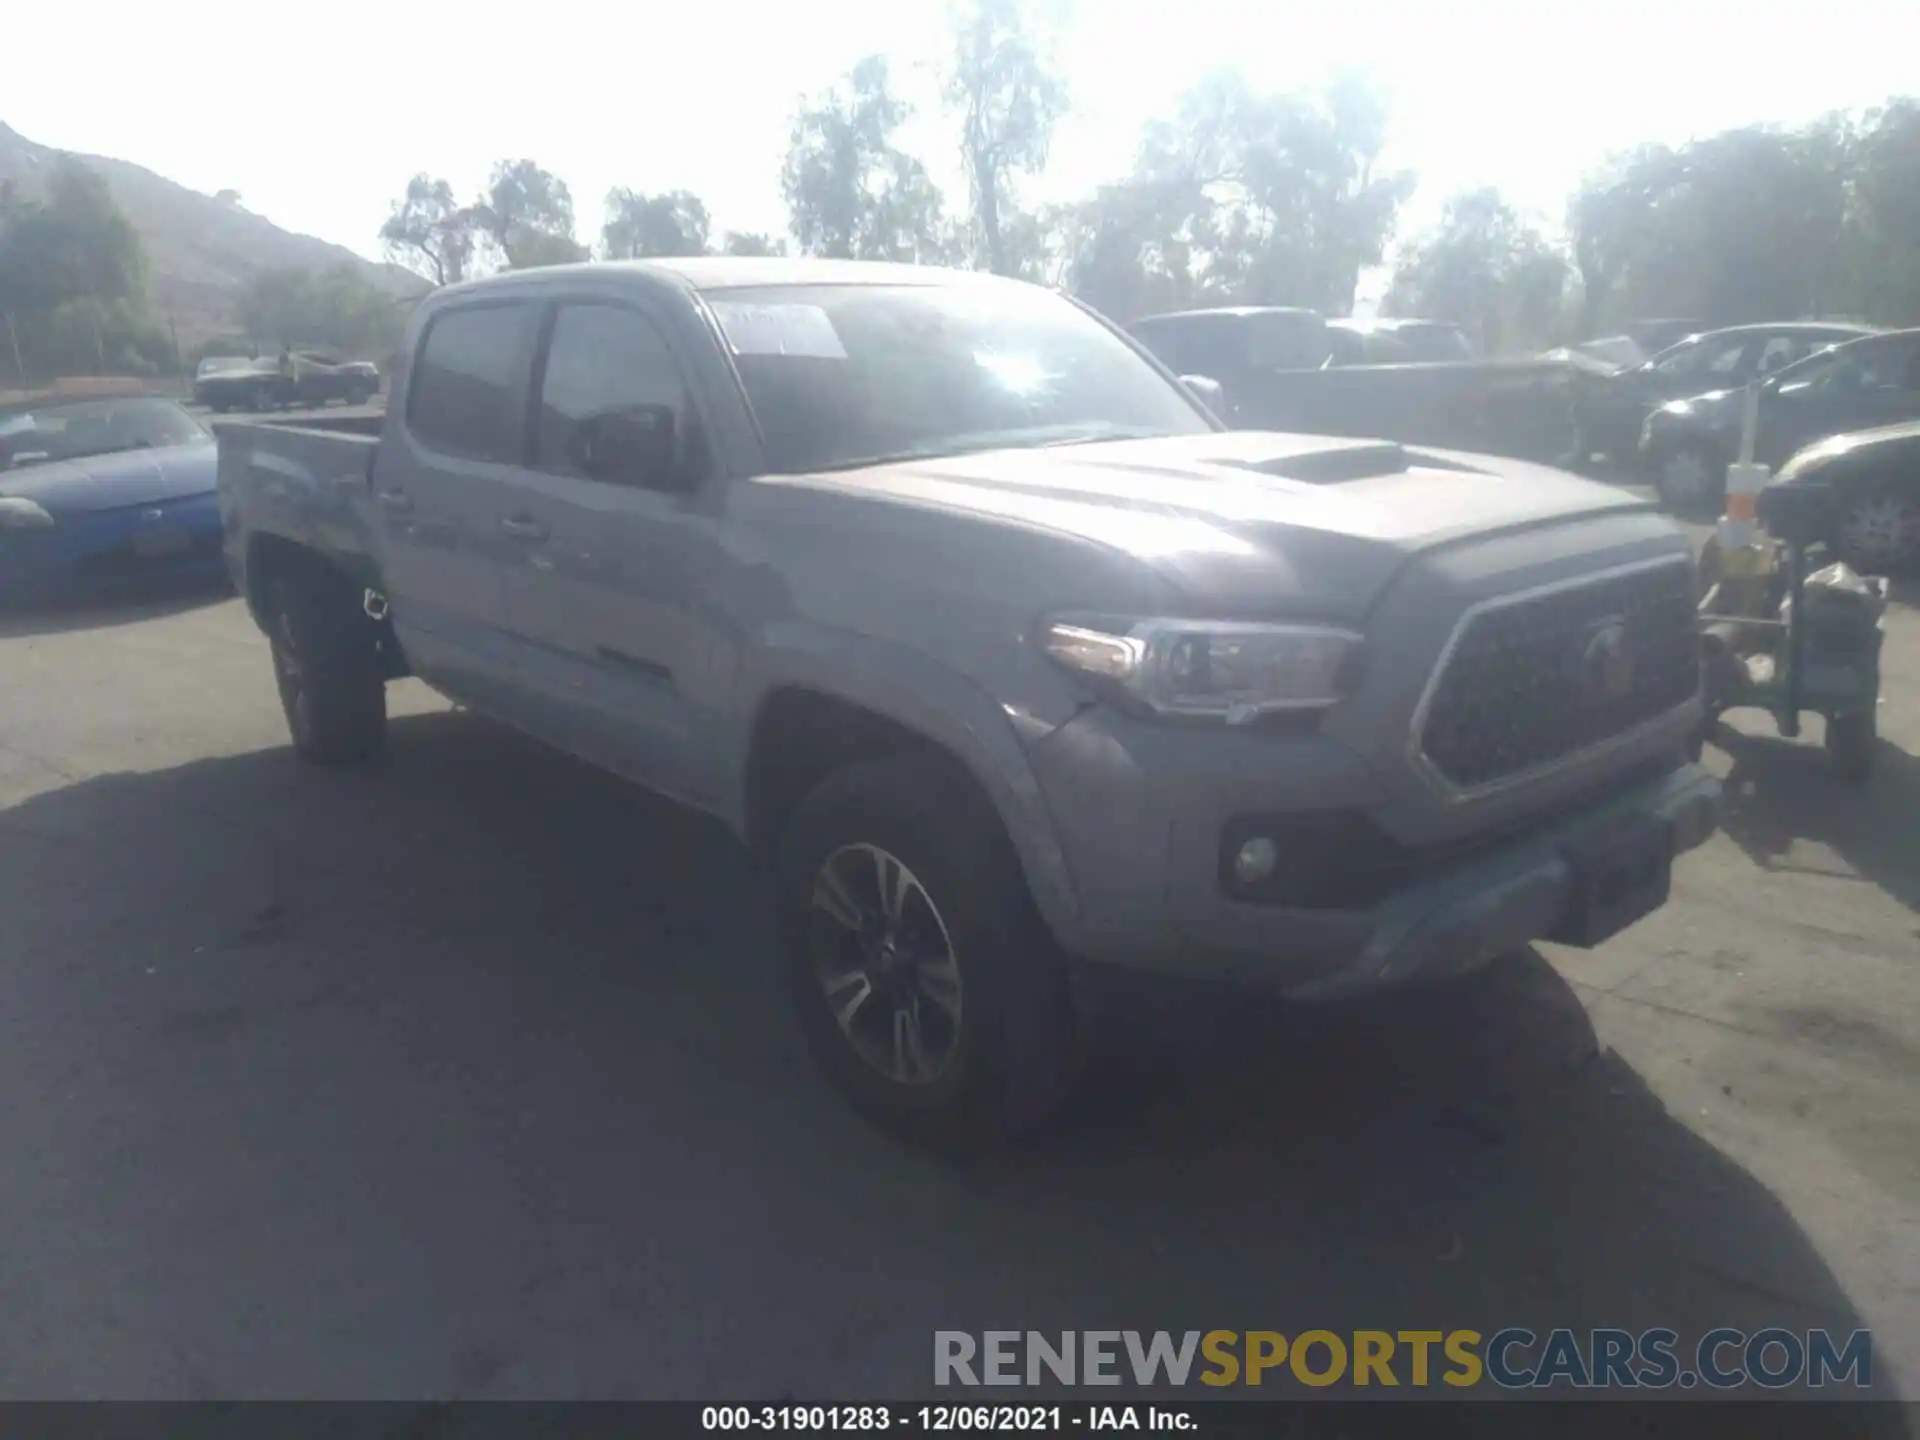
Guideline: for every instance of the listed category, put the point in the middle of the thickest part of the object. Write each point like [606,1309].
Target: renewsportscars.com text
[1513,1358]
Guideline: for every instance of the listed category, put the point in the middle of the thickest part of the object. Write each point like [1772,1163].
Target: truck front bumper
[1149,871]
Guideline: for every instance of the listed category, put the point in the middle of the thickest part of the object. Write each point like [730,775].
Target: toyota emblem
[1605,662]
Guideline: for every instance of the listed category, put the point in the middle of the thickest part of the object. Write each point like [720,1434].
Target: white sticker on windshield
[803,330]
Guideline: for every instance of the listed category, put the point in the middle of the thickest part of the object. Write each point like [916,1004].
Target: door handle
[395,499]
[522,528]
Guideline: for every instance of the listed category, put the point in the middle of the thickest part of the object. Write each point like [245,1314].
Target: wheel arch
[820,700]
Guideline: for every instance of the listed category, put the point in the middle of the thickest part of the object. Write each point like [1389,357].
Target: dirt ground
[468,1076]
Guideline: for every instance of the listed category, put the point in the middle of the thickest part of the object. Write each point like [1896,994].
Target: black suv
[1609,410]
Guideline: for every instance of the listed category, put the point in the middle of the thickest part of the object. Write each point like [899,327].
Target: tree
[1133,248]
[430,232]
[639,225]
[850,191]
[1272,199]
[527,216]
[1882,263]
[336,309]
[1486,269]
[748,242]
[1001,84]
[74,245]
[1746,225]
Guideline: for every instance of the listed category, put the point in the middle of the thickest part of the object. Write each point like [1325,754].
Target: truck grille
[1539,678]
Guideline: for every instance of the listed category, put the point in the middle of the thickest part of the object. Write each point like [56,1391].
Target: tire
[1852,743]
[990,1048]
[327,669]
[1878,531]
[1691,479]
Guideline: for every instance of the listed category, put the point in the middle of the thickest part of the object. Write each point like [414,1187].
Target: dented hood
[1247,516]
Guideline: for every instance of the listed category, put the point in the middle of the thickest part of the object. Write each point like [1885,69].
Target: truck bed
[309,484]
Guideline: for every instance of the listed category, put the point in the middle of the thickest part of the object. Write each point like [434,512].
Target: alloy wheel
[1879,529]
[885,964]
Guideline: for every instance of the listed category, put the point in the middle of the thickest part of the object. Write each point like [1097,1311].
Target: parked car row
[1671,418]
[1003,651]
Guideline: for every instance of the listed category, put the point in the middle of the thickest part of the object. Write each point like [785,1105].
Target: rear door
[442,482]
[612,552]
[1860,387]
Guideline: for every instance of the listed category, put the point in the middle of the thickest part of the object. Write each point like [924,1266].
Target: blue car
[102,495]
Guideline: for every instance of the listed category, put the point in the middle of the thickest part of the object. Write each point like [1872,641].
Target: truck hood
[1247,519]
[109,482]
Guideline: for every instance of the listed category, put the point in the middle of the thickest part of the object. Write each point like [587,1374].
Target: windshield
[1435,342]
[841,376]
[78,429]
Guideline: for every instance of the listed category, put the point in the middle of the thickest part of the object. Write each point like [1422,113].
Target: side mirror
[639,445]
[1208,391]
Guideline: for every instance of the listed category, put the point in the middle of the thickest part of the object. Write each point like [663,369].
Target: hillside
[201,249]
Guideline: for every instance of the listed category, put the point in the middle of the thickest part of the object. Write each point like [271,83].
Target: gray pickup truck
[967,617]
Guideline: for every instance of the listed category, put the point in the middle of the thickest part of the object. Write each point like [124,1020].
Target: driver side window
[611,398]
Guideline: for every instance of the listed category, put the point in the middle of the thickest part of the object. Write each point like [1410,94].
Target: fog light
[1256,860]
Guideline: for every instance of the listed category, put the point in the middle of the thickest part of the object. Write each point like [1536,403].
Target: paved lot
[467,1077]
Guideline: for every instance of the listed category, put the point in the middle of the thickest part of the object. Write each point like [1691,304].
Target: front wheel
[327,669]
[928,987]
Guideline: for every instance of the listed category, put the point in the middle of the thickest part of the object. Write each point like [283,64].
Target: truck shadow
[126,607]
[1780,792]
[483,1059]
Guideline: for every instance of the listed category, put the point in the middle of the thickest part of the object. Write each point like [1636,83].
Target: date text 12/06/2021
[946,1419]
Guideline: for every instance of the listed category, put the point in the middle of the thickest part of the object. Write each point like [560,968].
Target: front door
[441,483]
[616,554]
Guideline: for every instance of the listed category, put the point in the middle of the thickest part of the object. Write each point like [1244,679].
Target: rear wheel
[326,666]
[928,987]
[1878,531]
[1852,742]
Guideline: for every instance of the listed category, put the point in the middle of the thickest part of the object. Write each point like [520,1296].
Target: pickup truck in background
[304,377]
[1272,368]
[961,612]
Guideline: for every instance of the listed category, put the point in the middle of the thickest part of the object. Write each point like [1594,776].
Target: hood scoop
[1334,465]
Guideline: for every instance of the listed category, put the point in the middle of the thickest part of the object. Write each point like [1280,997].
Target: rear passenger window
[468,392]
[1172,345]
[605,362]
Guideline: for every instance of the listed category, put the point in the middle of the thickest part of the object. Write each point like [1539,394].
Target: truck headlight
[19,513]
[1214,669]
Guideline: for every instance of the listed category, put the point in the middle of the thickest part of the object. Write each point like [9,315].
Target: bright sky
[317,113]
